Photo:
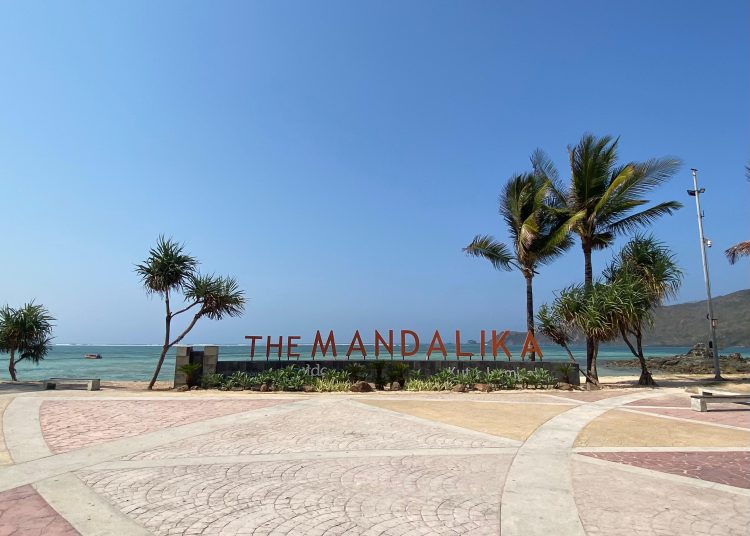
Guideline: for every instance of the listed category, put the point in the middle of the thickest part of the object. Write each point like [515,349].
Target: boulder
[182,388]
[563,386]
[361,387]
[460,388]
[264,388]
[482,387]
[308,388]
[395,386]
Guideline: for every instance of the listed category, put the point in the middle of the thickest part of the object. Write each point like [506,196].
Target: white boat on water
[93,356]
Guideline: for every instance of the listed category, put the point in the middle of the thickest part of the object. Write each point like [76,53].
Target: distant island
[685,324]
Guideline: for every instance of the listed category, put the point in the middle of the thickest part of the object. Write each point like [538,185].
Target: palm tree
[537,230]
[604,198]
[649,265]
[168,271]
[25,333]
[742,249]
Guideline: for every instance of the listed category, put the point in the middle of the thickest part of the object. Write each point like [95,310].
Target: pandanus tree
[168,272]
[596,312]
[605,198]
[537,228]
[650,265]
[25,333]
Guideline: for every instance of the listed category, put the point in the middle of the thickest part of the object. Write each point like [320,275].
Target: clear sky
[336,156]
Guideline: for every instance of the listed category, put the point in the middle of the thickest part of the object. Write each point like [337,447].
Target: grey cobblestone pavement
[302,465]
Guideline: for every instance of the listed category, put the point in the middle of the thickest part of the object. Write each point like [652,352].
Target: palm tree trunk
[646,378]
[588,281]
[165,347]
[530,309]
[12,366]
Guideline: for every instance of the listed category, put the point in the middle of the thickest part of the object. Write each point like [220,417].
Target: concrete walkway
[520,463]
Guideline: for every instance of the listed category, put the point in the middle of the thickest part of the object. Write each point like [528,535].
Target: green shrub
[212,381]
[398,371]
[471,376]
[414,384]
[357,372]
[190,370]
[323,385]
[377,368]
[565,370]
[545,378]
[291,378]
[333,375]
[445,379]
[236,380]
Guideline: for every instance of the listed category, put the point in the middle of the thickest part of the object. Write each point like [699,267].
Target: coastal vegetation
[537,227]
[604,200]
[168,272]
[648,267]
[296,378]
[25,333]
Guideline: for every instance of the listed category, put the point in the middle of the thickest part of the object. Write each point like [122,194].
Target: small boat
[93,356]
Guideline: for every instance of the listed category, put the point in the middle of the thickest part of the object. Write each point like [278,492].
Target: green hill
[684,324]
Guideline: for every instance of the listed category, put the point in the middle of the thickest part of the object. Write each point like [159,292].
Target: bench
[700,402]
[92,384]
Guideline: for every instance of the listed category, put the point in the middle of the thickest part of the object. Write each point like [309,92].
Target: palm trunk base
[647,379]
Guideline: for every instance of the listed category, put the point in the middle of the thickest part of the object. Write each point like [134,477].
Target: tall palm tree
[605,198]
[25,333]
[537,230]
[168,271]
[649,265]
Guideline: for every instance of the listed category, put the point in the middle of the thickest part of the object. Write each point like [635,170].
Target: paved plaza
[610,462]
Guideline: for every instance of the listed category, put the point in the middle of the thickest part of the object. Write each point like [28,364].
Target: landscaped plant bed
[380,375]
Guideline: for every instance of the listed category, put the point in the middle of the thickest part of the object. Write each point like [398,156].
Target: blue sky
[336,156]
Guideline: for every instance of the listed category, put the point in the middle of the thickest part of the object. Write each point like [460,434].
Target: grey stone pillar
[182,358]
[210,357]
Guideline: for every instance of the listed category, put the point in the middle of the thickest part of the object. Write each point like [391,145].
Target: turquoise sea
[132,362]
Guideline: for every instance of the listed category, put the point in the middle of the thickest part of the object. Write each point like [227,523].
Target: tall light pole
[696,192]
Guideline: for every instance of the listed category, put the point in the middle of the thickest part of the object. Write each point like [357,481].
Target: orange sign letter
[404,332]
[436,338]
[388,345]
[358,340]
[330,342]
[499,343]
[530,345]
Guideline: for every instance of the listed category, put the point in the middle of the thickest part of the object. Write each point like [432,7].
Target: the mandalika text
[409,345]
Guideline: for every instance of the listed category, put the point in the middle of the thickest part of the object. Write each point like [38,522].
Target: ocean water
[138,362]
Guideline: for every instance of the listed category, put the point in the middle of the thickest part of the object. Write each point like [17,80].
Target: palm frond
[486,247]
[738,250]
[645,217]
[167,266]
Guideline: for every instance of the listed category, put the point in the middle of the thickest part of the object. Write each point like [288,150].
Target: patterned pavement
[632,461]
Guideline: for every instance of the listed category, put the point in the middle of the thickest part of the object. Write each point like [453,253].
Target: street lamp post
[696,192]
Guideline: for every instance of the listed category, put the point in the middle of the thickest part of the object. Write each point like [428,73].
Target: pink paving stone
[73,424]
[730,468]
[674,401]
[23,512]
[590,396]
[729,414]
